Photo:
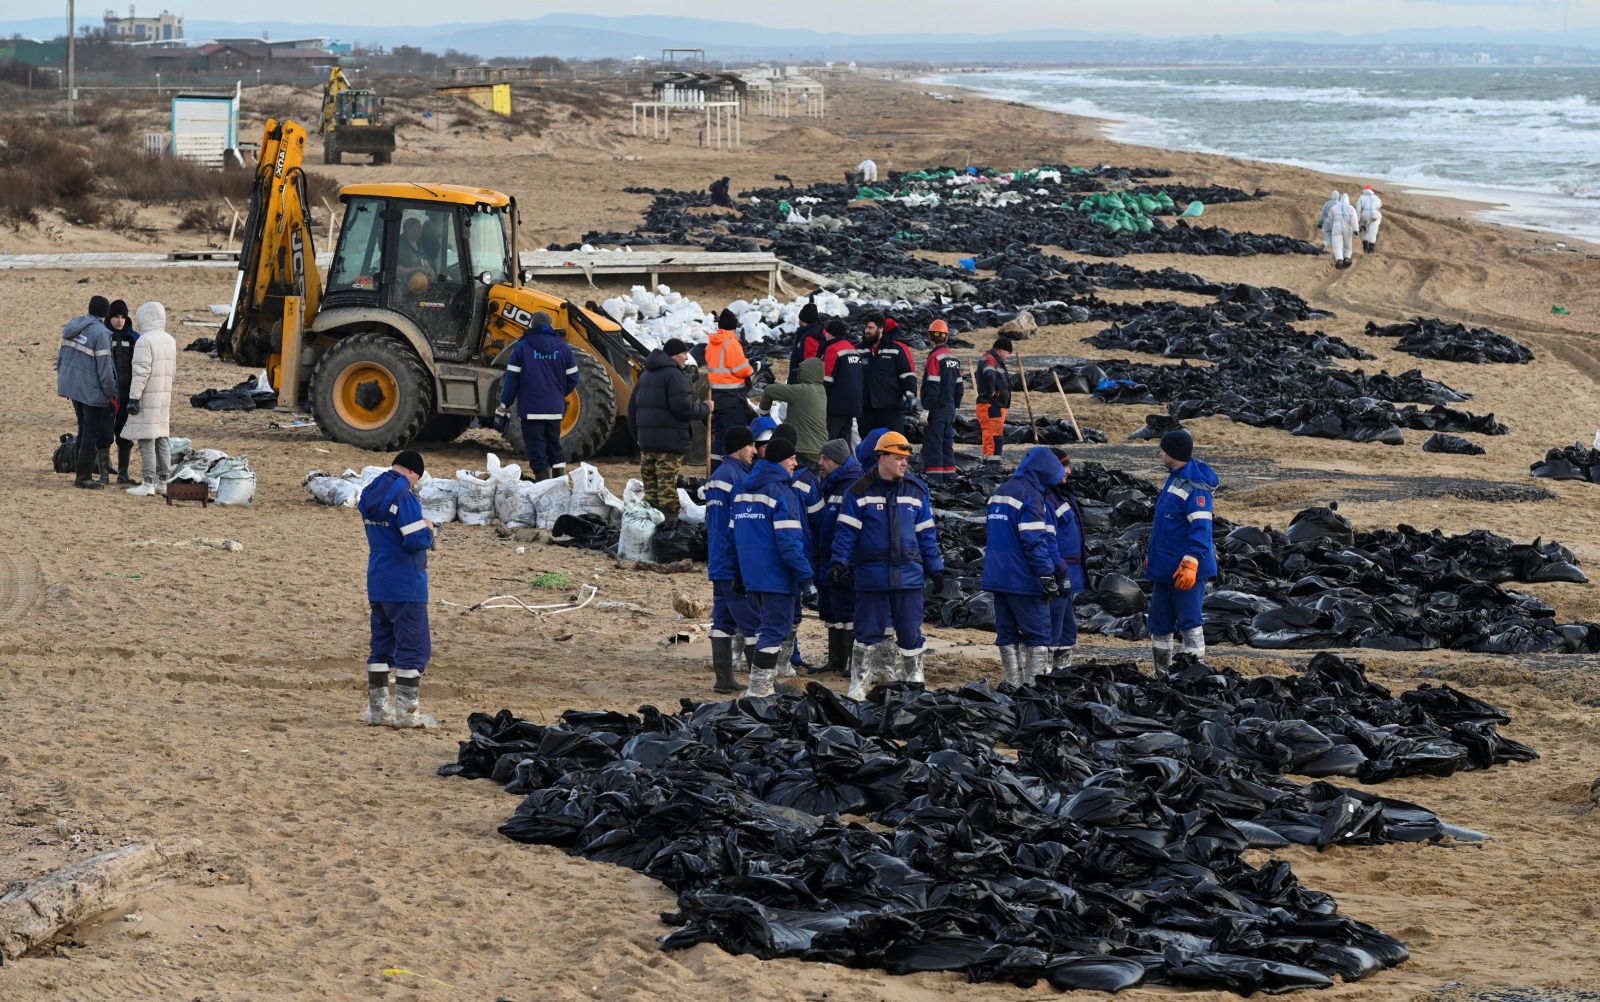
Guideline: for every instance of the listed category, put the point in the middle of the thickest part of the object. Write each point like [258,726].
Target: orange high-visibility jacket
[725,361]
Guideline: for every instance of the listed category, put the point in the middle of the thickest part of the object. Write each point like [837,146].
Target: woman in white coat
[155,364]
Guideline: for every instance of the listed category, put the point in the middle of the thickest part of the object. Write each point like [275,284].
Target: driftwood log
[37,912]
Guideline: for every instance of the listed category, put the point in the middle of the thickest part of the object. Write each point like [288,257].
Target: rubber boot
[911,668]
[1009,657]
[860,674]
[84,471]
[1038,664]
[722,664]
[379,711]
[1194,642]
[407,703]
[882,663]
[832,664]
[1061,658]
[749,661]
[102,458]
[785,667]
[123,449]
[1161,654]
[762,671]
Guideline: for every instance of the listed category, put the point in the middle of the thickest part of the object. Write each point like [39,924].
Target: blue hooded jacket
[867,451]
[886,533]
[398,539]
[84,369]
[769,532]
[826,519]
[540,373]
[1021,547]
[1069,542]
[1183,523]
[720,491]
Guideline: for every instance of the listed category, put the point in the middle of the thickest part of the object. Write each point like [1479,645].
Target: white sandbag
[688,510]
[639,523]
[512,506]
[334,491]
[551,498]
[438,499]
[367,475]
[633,490]
[589,493]
[474,498]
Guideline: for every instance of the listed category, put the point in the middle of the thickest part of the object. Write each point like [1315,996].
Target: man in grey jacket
[86,375]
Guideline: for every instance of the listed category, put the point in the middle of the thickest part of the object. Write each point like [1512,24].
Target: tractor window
[486,237]
[358,261]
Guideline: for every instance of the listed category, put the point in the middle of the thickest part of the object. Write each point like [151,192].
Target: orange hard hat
[893,442]
[939,326]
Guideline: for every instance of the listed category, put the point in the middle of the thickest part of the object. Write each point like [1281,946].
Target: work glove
[838,574]
[133,407]
[808,592]
[937,577]
[1048,584]
[1183,577]
[911,404]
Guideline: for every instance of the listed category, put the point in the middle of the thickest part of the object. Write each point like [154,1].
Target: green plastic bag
[871,193]
[1194,211]
[1561,311]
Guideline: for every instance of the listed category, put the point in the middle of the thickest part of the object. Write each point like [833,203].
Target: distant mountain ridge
[593,36]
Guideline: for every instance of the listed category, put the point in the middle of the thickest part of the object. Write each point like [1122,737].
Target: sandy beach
[156,689]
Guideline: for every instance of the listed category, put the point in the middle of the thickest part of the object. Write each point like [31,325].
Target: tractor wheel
[591,414]
[330,150]
[381,158]
[444,427]
[371,390]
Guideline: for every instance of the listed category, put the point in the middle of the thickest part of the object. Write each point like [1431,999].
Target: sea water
[1525,140]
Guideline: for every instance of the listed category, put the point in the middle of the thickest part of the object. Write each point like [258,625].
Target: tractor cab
[429,253]
[358,107]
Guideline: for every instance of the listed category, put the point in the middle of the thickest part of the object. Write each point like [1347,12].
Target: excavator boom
[277,257]
[335,83]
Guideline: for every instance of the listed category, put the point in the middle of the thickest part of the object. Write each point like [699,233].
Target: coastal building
[164,27]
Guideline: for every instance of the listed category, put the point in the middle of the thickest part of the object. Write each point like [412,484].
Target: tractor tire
[591,414]
[444,427]
[371,390]
[330,151]
[381,158]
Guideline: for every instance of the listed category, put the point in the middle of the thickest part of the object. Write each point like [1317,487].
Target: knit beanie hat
[99,307]
[1178,444]
[540,321]
[786,432]
[736,438]
[1002,344]
[779,449]
[837,449]
[411,459]
[808,313]
[118,309]
[726,321]
[837,328]
[675,346]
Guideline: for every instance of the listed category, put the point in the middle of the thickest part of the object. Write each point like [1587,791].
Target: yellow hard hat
[893,441]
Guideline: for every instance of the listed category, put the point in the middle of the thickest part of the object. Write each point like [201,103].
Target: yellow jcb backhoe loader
[408,337]
[352,122]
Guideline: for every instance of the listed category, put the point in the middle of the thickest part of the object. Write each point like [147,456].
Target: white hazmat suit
[1339,229]
[1369,212]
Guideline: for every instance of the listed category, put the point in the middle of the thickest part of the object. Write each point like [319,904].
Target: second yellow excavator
[352,121]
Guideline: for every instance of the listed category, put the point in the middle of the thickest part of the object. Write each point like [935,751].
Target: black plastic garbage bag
[681,540]
[1320,523]
[1454,444]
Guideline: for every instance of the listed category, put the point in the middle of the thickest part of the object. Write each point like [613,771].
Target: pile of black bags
[1107,853]
[1317,584]
[1427,337]
[1573,462]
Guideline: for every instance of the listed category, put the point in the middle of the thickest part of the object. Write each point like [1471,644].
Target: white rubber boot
[1194,642]
[784,667]
[762,671]
[379,711]
[911,668]
[1038,664]
[1010,664]
[408,700]
[860,673]
[1161,653]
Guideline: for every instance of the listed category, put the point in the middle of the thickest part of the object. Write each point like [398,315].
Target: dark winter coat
[942,384]
[994,382]
[891,375]
[844,368]
[84,371]
[886,534]
[1183,523]
[662,411]
[1020,548]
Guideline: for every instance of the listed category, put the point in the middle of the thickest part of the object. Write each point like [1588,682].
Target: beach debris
[1108,852]
[1560,311]
[1571,462]
[1433,338]
[1454,444]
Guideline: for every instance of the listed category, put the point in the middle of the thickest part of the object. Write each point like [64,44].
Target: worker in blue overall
[1071,547]
[1019,565]
[769,547]
[1181,555]
[730,612]
[836,603]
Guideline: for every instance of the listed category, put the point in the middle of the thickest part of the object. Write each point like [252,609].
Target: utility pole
[72,57]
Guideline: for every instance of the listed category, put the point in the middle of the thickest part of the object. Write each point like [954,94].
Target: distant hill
[592,36]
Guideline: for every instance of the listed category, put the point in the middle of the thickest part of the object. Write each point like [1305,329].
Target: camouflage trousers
[659,471]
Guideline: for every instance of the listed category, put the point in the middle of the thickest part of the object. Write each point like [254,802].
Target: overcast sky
[1152,17]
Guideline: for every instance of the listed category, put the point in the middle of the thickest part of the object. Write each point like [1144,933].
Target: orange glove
[1183,577]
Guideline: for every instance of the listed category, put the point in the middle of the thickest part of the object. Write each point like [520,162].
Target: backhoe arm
[277,257]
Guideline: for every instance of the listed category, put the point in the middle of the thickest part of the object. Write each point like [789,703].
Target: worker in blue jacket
[836,603]
[1071,546]
[1019,565]
[886,542]
[730,612]
[398,540]
[809,492]
[1181,555]
[540,374]
[769,546]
